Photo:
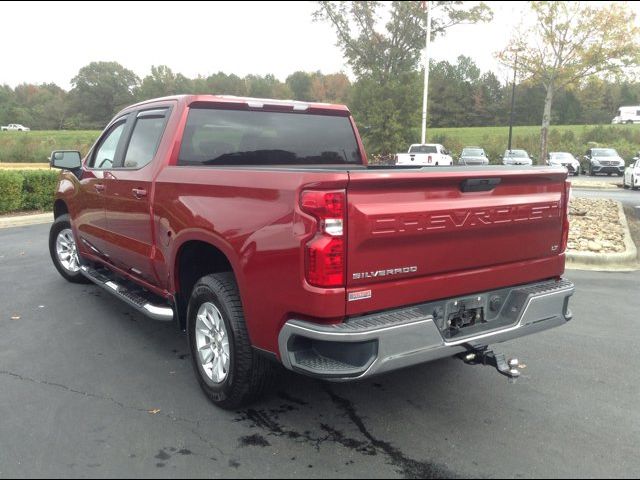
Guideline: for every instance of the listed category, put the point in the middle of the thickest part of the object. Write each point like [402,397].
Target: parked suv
[473,156]
[604,160]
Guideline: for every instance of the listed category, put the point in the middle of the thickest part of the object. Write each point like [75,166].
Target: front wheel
[633,183]
[64,251]
[230,372]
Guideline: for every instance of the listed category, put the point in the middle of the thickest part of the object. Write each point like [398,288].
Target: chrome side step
[163,313]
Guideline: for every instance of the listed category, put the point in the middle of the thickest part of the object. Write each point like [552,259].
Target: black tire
[250,374]
[591,174]
[61,223]
[633,183]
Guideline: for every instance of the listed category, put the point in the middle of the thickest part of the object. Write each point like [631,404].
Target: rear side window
[145,138]
[239,137]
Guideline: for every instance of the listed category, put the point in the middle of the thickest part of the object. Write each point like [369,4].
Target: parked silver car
[473,156]
[564,159]
[516,157]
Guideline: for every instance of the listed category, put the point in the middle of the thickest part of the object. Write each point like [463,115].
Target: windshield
[604,152]
[560,156]
[516,153]
[423,149]
[475,152]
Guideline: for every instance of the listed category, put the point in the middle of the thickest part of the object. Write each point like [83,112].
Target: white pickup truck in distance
[14,127]
[426,154]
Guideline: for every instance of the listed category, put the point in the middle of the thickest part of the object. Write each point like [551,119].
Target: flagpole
[426,74]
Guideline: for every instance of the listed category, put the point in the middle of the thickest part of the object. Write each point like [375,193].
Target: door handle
[139,192]
[99,187]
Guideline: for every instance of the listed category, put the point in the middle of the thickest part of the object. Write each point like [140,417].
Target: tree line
[460,95]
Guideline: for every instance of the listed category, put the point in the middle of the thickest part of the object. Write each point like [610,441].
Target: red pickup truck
[260,229]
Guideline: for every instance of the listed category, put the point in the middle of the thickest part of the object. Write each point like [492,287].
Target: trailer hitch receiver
[483,356]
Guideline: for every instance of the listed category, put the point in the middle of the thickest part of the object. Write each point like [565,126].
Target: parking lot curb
[586,186]
[626,260]
[24,220]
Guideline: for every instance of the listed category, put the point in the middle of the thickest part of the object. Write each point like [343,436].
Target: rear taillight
[324,253]
[565,222]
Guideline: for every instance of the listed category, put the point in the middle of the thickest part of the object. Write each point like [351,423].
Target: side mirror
[65,159]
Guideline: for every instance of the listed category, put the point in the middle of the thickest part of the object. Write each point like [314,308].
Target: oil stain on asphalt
[268,420]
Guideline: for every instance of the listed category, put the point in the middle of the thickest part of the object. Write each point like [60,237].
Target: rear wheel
[63,250]
[230,372]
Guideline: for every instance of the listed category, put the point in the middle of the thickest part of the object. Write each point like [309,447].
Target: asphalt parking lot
[90,388]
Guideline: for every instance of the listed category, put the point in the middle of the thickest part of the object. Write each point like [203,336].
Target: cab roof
[252,103]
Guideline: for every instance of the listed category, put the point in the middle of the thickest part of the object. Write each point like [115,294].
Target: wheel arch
[194,258]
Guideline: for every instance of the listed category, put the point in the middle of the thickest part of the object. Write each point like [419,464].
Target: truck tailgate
[409,224]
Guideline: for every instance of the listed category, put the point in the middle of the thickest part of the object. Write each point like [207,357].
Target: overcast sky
[50,41]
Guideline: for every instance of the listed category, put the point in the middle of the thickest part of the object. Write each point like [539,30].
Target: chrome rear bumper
[369,345]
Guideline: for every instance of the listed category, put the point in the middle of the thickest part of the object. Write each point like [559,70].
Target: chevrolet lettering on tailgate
[443,221]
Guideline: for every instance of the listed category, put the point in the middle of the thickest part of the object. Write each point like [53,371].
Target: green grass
[37,145]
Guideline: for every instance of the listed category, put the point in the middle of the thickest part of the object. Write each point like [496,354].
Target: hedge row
[27,190]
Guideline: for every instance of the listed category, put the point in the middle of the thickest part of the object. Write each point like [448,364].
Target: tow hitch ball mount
[483,356]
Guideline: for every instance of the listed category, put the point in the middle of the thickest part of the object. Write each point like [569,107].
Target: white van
[627,115]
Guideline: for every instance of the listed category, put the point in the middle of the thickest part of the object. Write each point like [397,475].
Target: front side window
[106,151]
[241,137]
[145,139]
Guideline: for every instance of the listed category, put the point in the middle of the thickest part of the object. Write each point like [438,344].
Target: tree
[100,89]
[382,53]
[300,84]
[223,84]
[161,83]
[570,42]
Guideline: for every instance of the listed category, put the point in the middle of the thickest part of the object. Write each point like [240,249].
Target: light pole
[513,98]
[426,73]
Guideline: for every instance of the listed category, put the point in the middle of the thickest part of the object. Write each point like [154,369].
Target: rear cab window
[219,137]
[423,149]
